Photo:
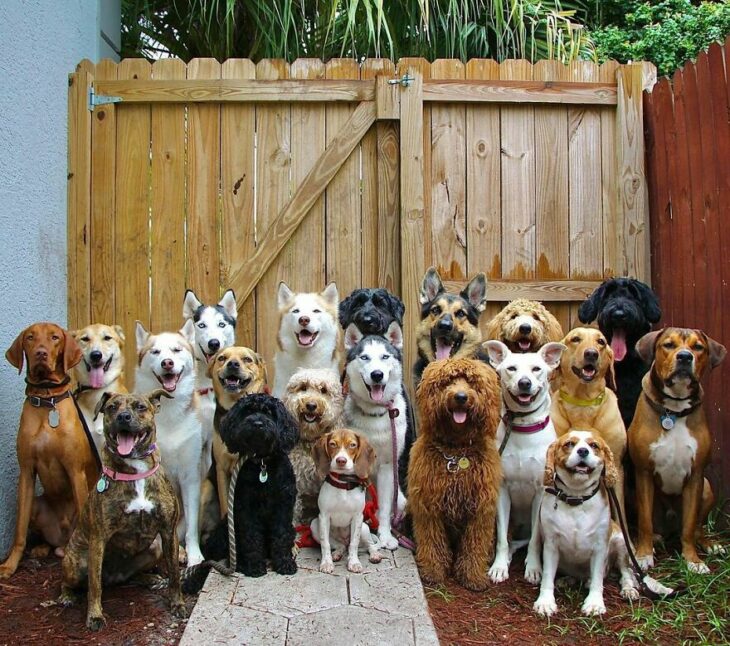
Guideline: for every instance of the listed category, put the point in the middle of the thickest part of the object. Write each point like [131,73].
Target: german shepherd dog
[449,326]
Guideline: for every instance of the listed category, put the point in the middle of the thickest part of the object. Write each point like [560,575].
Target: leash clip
[393,413]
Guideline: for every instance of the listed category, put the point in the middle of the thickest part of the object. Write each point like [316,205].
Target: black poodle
[372,311]
[625,309]
[259,427]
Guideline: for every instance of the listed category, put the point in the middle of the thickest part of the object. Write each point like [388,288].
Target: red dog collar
[348,483]
[118,476]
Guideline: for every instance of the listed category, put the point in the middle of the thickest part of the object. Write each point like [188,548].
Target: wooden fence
[209,176]
[688,165]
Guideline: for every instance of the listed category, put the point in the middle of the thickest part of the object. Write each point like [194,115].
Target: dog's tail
[194,576]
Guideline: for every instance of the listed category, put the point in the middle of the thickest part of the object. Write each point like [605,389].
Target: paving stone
[397,592]
[309,559]
[227,624]
[351,625]
[404,558]
[221,587]
[425,632]
[288,596]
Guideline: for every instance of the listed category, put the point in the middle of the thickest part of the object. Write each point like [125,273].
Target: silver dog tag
[667,422]
[54,419]
[102,485]
[263,475]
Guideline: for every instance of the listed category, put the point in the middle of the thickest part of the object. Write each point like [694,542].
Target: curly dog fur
[260,427]
[524,326]
[453,510]
[314,399]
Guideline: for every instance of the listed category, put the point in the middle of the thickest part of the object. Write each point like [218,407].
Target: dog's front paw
[698,567]
[545,605]
[475,581]
[388,541]
[375,557]
[629,592]
[533,574]
[178,610]
[40,551]
[354,566]
[6,571]
[67,598]
[593,606]
[194,556]
[645,562]
[95,622]
[715,548]
[254,569]
[327,566]
[338,554]
[286,566]
[499,572]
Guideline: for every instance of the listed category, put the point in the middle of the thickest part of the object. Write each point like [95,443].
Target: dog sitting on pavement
[101,370]
[51,441]
[524,435]
[309,336]
[132,503]
[344,459]
[524,326]
[314,399]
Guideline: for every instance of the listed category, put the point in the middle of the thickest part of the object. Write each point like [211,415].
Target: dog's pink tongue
[443,349]
[459,416]
[169,382]
[125,443]
[376,392]
[96,377]
[618,344]
[305,337]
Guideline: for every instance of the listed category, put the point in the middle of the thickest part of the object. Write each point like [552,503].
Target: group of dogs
[520,439]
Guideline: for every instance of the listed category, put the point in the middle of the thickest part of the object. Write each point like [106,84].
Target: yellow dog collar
[569,399]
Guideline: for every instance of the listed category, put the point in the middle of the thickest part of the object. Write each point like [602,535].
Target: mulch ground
[29,616]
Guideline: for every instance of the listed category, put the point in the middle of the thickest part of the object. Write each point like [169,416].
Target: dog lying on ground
[625,310]
[101,370]
[670,442]
[166,360]
[309,336]
[51,441]
[449,326]
[344,459]
[524,434]
[524,326]
[260,428]
[578,536]
[314,399]
[375,407]
[584,400]
[455,472]
[133,501]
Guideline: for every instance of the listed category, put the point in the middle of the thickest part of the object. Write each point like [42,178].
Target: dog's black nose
[214,345]
[311,406]
[525,328]
[583,452]
[304,321]
[257,423]
[590,354]
[377,376]
[619,314]
[446,324]
[167,364]
[95,355]
[124,416]
[367,319]
[461,398]
[524,384]
[684,356]
[234,364]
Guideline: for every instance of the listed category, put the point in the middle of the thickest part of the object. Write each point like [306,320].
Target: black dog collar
[573,501]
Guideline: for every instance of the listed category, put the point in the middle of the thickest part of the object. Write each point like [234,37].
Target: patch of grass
[440,592]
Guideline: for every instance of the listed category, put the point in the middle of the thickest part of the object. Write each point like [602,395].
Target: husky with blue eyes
[374,372]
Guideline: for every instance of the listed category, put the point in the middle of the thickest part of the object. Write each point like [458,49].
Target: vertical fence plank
[448,177]
[203,184]
[132,214]
[238,234]
[273,166]
[612,233]
[167,268]
[103,169]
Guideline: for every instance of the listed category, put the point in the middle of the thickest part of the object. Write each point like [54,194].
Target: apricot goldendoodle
[524,326]
[455,472]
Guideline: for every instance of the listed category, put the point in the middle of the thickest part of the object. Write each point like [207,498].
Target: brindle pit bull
[132,502]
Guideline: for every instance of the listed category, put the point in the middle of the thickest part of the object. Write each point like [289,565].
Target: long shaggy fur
[505,327]
[453,513]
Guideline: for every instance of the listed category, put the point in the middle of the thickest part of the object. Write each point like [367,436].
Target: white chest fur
[673,455]
[140,502]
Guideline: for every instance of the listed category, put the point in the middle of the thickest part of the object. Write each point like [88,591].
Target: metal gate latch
[404,81]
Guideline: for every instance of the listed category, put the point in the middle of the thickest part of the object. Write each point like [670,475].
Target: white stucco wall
[41,41]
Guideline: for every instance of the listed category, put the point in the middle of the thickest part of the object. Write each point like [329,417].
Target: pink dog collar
[531,428]
[118,476]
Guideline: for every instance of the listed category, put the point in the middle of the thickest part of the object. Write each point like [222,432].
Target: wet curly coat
[522,322]
[453,510]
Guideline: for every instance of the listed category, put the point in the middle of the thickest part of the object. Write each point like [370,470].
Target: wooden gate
[211,176]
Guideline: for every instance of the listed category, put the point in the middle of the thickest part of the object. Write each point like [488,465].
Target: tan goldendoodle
[524,326]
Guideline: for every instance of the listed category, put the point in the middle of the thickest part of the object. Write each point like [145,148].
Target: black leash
[89,437]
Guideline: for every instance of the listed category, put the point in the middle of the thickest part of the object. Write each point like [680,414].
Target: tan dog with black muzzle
[669,440]
[132,502]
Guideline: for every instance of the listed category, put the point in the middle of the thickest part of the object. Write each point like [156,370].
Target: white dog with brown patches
[309,334]
[344,458]
[166,360]
[579,537]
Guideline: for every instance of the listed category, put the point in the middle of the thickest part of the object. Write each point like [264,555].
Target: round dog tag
[102,485]
[263,476]
[464,463]
[667,422]
[54,419]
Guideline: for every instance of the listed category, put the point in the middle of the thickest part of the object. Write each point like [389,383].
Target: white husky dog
[309,335]
[215,329]
[166,360]
[529,432]
[374,372]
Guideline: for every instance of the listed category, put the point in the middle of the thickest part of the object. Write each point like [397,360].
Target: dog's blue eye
[202,325]
[364,357]
[385,357]
[221,324]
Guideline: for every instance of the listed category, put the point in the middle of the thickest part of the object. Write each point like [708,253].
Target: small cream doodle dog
[524,326]
[579,537]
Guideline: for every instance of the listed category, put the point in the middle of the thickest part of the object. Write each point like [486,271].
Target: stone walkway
[383,605]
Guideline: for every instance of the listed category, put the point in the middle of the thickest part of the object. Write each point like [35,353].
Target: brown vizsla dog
[51,441]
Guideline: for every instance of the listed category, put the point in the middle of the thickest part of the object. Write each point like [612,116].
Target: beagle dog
[344,458]
[579,537]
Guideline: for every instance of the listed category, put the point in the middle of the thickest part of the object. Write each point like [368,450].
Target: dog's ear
[321,456]
[611,371]
[15,353]
[187,331]
[397,307]
[646,346]
[551,353]
[352,336]
[394,335]
[476,292]
[553,329]
[155,395]
[190,304]
[590,307]
[497,352]
[228,303]
[549,475]
[649,301]
[365,457]
[260,361]
[141,335]
[212,364]
[331,295]
[717,351]
[343,310]
[431,286]
[284,295]
[105,397]
[72,354]
[120,333]
[610,470]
